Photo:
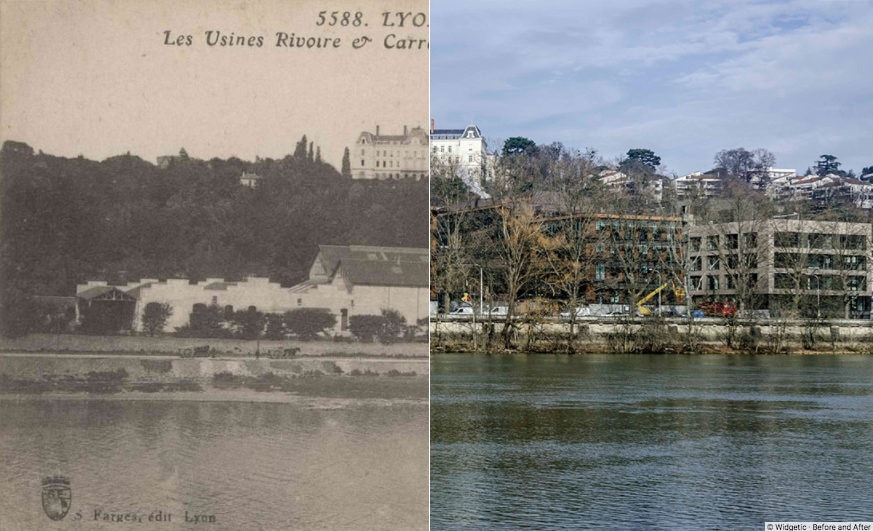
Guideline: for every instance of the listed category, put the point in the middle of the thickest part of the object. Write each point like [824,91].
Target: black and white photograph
[214,264]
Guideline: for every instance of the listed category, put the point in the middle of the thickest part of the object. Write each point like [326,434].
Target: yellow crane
[677,290]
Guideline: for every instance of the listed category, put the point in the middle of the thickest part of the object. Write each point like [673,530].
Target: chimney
[404,130]
[431,126]
[377,130]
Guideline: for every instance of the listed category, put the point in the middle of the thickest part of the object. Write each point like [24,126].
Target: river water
[649,442]
[359,464]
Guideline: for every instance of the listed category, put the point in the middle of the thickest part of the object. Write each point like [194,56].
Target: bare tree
[569,243]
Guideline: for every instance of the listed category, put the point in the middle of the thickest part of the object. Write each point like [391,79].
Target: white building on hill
[380,156]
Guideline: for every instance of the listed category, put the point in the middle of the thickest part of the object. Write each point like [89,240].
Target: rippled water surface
[660,442]
[249,465]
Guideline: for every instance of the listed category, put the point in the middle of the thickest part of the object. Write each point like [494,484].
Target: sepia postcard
[214,264]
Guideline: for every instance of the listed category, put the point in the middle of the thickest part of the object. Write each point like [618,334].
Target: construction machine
[678,291]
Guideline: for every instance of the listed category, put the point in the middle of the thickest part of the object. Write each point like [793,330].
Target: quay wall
[710,330]
[23,366]
[169,345]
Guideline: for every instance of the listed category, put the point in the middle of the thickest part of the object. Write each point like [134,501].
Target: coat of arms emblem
[56,497]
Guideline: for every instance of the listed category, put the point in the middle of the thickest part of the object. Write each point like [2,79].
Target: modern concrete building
[380,156]
[788,267]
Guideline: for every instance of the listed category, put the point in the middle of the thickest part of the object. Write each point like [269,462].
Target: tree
[300,149]
[155,316]
[639,159]
[569,240]
[519,144]
[745,164]
[275,328]
[393,326]
[517,251]
[826,165]
[366,327]
[206,321]
[250,323]
[346,165]
[307,323]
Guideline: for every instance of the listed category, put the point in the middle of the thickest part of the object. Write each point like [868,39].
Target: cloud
[688,77]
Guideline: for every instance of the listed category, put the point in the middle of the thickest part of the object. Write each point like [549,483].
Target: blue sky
[683,78]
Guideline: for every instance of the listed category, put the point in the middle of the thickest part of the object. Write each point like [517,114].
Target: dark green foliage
[643,160]
[275,326]
[64,221]
[18,313]
[388,327]
[249,324]
[828,164]
[519,144]
[307,323]
[205,321]
[154,317]
[346,170]
[366,327]
[393,327]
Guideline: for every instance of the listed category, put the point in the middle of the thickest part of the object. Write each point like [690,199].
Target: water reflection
[649,441]
[251,465]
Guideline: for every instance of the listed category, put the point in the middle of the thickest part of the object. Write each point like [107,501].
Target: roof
[447,132]
[219,285]
[377,266]
[98,291]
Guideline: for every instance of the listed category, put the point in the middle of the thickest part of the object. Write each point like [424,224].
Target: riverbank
[658,336]
[175,346]
[219,378]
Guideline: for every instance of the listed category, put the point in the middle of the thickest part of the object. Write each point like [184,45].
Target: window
[696,263]
[853,263]
[695,244]
[299,302]
[786,239]
[712,243]
[712,263]
[470,158]
[712,283]
[733,241]
[600,272]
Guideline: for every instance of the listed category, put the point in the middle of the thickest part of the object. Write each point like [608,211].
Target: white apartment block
[464,147]
[380,156]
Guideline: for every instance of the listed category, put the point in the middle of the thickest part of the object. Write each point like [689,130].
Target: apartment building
[796,268]
[380,156]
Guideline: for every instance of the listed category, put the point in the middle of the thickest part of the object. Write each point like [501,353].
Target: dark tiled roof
[377,266]
[220,285]
[97,291]
[447,132]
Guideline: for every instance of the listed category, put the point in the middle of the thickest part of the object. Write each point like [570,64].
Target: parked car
[581,311]
[695,314]
[497,311]
[462,310]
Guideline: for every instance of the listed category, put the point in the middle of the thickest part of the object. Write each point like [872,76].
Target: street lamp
[817,293]
[658,271]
